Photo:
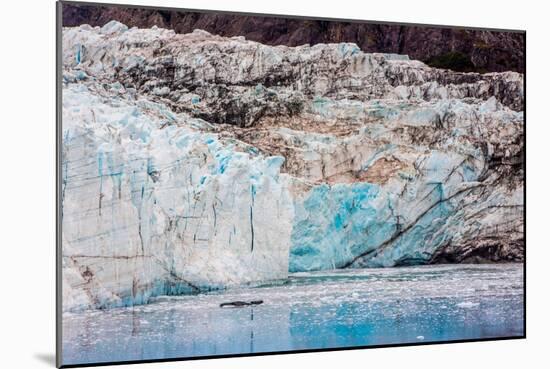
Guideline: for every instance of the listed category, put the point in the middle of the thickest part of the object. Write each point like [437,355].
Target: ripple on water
[326,309]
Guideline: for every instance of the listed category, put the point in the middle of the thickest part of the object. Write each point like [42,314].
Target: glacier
[149,211]
[193,162]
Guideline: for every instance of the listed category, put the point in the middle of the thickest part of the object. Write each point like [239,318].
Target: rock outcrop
[195,161]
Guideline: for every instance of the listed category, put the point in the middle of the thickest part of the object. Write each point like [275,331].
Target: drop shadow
[46,358]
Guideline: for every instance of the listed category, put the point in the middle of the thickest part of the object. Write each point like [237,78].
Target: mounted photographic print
[238,184]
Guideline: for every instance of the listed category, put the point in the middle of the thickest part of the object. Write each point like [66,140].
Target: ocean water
[329,309]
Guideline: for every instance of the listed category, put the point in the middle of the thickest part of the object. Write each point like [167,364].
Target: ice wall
[152,205]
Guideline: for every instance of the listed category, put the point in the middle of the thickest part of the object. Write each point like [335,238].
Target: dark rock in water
[241,303]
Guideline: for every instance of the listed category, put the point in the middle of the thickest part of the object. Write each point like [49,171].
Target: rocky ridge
[459,49]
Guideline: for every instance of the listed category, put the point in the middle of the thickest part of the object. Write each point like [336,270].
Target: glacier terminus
[194,163]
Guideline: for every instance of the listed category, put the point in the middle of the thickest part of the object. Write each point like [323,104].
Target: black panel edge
[58,204]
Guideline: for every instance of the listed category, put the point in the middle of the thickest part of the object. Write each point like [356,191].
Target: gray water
[317,310]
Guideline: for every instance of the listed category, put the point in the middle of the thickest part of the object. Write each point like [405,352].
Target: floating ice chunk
[467,304]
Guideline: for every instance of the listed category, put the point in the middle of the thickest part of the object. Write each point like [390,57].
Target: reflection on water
[311,310]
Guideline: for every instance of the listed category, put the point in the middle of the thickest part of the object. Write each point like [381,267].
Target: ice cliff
[192,162]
